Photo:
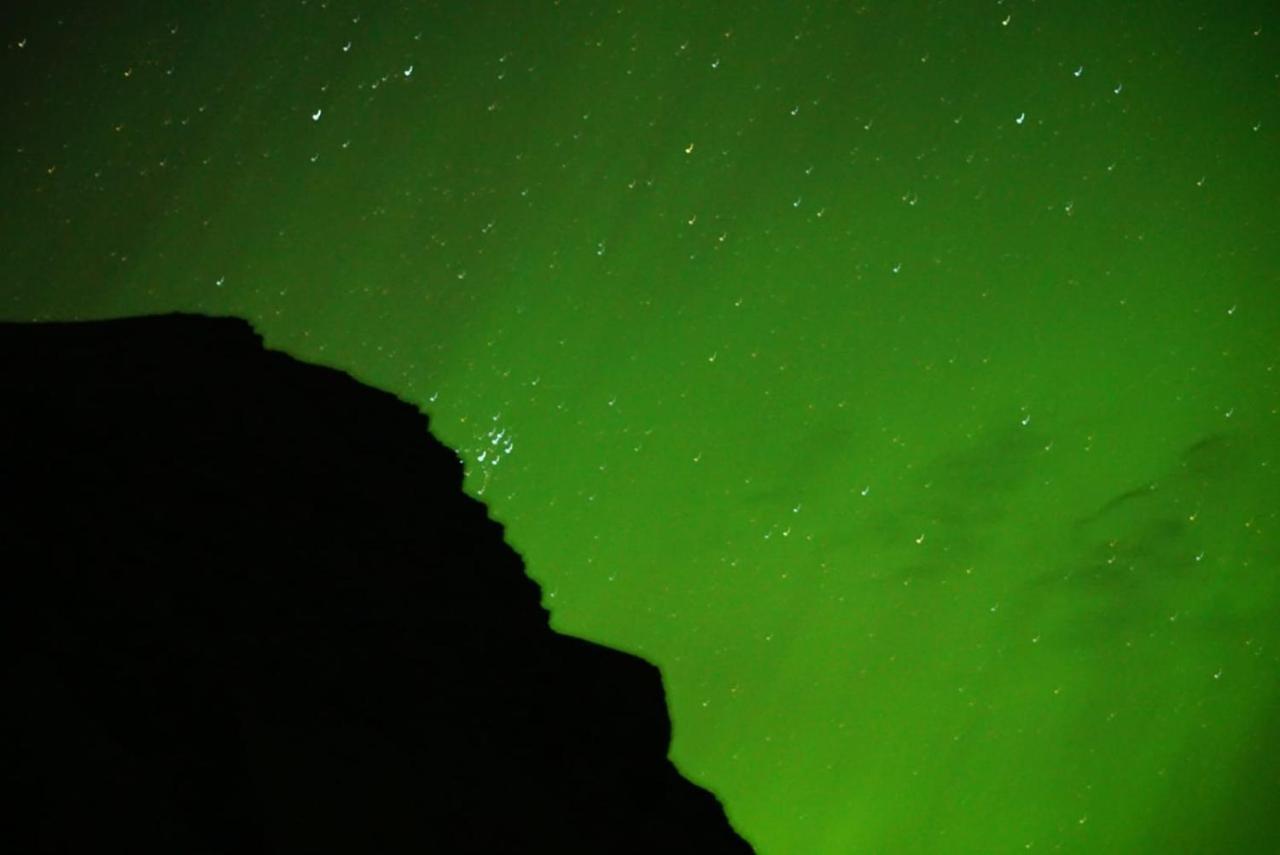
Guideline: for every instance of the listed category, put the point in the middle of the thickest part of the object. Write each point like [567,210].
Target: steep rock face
[252,610]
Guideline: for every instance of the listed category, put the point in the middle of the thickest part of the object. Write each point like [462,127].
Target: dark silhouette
[251,610]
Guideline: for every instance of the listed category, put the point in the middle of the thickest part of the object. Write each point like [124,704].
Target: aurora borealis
[901,378]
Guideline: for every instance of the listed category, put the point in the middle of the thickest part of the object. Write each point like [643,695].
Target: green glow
[931,453]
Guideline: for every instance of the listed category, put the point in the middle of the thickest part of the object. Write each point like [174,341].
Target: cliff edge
[251,610]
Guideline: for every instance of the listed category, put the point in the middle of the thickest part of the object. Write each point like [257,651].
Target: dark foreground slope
[250,609]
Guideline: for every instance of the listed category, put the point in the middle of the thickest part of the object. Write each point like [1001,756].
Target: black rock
[250,609]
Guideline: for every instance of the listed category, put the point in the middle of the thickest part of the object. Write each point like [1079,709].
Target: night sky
[900,377]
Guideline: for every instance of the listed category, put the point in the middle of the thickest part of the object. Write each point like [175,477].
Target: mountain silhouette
[251,610]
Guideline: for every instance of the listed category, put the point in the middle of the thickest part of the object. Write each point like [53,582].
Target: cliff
[251,610]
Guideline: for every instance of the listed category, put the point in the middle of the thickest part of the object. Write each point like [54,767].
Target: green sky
[900,377]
